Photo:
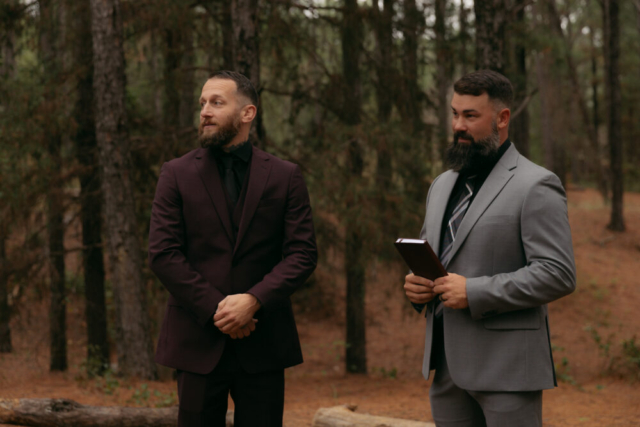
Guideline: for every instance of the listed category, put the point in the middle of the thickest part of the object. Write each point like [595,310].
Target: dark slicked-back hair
[244,85]
[494,84]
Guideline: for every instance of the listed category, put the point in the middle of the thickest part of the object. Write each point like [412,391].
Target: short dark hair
[243,84]
[494,84]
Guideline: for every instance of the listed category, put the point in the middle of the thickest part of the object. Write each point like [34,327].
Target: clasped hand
[234,315]
[451,289]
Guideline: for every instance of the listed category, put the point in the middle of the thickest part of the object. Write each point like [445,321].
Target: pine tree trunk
[187,82]
[410,103]
[133,331]
[614,100]
[228,40]
[246,57]
[546,121]
[443,78]
[5,313]
[171,76]
[519,127]
[356,351]
[464,38]
[90,197]
[385,94]
[52,140]
[491,20]
[7,43]
[601,173]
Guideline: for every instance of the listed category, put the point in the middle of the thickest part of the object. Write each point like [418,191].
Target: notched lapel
[493,185]
[258,175]
[437,207]
[210,176]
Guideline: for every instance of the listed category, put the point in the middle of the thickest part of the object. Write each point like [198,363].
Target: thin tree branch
[524,103]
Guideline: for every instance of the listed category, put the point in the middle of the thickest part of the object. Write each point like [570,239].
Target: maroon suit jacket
[193,251]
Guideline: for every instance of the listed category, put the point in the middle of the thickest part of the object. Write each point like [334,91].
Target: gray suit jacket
[514,247]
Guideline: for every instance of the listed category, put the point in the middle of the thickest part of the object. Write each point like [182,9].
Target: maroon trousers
[258,398]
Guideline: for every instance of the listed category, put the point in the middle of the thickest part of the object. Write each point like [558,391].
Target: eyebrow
[467,111]
[202,98]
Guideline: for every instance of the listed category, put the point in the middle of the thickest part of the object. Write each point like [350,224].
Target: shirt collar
[241,151]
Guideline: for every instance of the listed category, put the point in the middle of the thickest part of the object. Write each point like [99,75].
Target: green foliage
[93,366]
[140,395]
[563,370]
[391,373]
[108,383]
[631,354]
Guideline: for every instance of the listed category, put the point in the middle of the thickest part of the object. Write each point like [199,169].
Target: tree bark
[7,68]
[519,128]
[491,20]
[580,99]
[171,76]
[5,313]
[187,82]
[52,140]
[385,94]
[464,38]
[133,331]
[90,197]
[356,351]
[343,416]
[614,101]
[246,58]
[410,103]
[443,77]
[64,412]
[228,39]
[637,3]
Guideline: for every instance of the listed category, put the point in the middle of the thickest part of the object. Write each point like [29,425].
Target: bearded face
[218,133]
[474,155]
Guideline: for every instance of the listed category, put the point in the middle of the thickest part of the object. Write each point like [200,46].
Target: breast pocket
[530,318]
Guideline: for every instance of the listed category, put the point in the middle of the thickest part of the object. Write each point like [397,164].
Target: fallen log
[68,413]
[345,416]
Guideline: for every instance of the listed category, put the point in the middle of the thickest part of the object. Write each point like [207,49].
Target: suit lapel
[210,176]
[437,207]
[493,185]
[258,175]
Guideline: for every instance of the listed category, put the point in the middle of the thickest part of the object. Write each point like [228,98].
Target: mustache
[463,135]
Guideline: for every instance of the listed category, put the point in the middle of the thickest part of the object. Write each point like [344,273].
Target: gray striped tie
[454,223]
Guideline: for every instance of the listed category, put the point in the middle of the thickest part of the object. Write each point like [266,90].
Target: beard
[223,136]
[475,156]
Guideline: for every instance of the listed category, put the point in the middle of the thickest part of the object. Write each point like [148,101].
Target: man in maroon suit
[231,238]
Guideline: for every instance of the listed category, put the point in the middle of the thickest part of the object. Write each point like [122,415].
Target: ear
[504,116]
[248,113]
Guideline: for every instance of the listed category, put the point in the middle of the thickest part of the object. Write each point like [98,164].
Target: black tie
[452,229]
[230,181]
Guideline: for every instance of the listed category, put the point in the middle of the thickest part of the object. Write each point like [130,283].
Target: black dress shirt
[241,155]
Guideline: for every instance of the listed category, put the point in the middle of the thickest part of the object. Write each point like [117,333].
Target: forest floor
[593,332]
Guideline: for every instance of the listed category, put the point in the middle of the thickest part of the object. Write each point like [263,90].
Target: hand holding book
[420,258]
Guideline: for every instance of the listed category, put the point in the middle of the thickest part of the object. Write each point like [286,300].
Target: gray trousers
[452,406]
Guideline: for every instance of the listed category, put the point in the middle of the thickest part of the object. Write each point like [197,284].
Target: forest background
[96,95]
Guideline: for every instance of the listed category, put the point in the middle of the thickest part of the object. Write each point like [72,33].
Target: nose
[206,111]
[458,124]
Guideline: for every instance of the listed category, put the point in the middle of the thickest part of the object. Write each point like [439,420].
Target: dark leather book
[420,258]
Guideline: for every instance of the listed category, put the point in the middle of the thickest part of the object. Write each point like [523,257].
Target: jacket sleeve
[167,252]
[299,252]
[550,271]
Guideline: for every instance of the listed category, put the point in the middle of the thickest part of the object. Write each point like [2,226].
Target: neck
[240,139]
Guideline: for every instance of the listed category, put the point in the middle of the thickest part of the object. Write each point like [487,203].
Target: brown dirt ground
[600,385]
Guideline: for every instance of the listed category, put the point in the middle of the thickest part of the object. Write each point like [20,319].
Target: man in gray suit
[499,224]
